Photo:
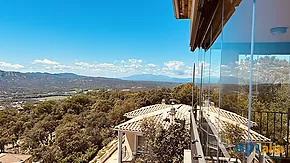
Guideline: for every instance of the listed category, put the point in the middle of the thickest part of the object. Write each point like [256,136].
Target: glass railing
[247,70]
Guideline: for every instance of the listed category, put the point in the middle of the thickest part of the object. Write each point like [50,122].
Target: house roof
[227,117]
[145,110]
[230,116]
[13,158]
[159,112]
[254,136]
[158,116]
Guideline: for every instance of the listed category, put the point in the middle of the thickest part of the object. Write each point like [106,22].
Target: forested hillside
[37,83]
[73,130]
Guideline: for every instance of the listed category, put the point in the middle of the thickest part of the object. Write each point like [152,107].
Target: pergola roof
[158,116]
[231,116]
[159,113]
[227,117]
[145,110]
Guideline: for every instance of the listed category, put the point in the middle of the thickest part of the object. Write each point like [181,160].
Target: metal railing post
[288,118]
[192,93]
[274,114]
[261,116]
[281,129]
[267,124]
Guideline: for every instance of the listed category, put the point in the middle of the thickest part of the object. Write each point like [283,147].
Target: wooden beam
[176,8]
[206,33]
[201,23]
[194,22]
[189,8]
[120,136]
[182,8]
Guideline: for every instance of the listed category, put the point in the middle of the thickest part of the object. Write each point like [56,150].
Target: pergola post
[135,144]
[120,135]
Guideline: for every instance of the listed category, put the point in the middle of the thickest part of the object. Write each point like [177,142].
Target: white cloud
[205,64]
[151,65]
[117,68]
[133,66]
[9,65]
[133,63]
[174,68]
[106,65]
[177,69]
[84,64]
[45,61]
[132,60]
[188,71]
[67,67]
[174,65]
[224,66]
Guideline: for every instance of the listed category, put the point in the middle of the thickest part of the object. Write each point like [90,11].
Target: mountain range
[164,78]
[159,78]
[35,83]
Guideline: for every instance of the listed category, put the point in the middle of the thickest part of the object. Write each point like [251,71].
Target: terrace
[246,45]
[244,117]
[209,121]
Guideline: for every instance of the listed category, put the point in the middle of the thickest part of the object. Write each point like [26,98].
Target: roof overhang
[205,19]
[182,8]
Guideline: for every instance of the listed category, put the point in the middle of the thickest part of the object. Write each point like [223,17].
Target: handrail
[197,153]
[210,134]
[110,151]
[221,146]
[264,111]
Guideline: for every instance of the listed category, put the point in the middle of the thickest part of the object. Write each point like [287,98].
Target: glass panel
[271,70]
[226,81]
[235,40]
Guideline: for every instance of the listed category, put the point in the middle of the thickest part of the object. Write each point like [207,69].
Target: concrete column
[120,136]
[135,144]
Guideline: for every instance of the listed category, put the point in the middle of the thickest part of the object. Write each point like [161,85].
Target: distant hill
[66,75]
[164,78]
[159,78]
[16,82]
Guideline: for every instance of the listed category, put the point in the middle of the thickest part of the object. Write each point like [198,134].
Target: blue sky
[93,37]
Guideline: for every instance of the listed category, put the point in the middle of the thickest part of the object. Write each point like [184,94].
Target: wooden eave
[182,8]
[206,21]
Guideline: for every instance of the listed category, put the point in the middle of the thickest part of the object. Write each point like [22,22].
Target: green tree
[43,108]
[115,116]
[155,96]
[183,93]
[102,105]
[163,145]
[4,139]
[28,107]
[71,139]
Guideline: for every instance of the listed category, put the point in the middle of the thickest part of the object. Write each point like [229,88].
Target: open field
[51,98]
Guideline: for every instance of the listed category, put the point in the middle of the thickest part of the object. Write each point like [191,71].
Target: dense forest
[73,130]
